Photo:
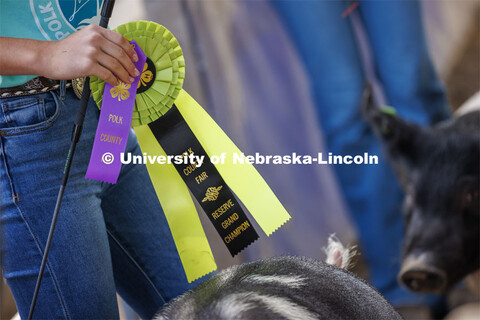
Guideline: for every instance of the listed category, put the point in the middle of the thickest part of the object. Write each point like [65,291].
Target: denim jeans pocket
[28,114]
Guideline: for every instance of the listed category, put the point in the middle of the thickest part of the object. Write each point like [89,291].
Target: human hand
[92,51]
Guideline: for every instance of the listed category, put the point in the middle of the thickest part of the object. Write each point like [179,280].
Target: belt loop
[63,89]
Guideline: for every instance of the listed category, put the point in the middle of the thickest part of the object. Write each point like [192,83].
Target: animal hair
[339,255]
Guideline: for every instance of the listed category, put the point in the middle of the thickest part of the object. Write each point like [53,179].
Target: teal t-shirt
[44,20]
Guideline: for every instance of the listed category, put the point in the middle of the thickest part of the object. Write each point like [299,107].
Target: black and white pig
[438,168]
[283,288]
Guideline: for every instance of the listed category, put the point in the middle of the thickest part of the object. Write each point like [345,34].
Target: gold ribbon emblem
[212,194]
[146,77]
[120,90]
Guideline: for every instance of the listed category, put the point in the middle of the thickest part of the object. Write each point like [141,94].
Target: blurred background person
[327,42]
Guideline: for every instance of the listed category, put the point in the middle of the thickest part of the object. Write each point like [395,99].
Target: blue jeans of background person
[328,47]
[108,238]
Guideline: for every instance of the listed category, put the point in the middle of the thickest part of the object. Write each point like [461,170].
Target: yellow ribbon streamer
[243,179]
[180,211]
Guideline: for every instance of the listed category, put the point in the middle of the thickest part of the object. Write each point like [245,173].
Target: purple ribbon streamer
[114,126]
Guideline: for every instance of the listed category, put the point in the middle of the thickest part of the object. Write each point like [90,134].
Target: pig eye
[469,197]
[470,201]
[466,199]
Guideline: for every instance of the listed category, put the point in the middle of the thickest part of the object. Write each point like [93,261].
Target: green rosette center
[164,82]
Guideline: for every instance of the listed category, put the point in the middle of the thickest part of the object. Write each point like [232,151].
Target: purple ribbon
[114,126]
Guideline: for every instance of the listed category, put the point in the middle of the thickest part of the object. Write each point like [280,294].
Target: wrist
[40,59]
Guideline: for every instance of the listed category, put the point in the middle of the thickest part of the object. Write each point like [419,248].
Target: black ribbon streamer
[205,182]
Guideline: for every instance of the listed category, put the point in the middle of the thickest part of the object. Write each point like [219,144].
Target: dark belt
[40,85]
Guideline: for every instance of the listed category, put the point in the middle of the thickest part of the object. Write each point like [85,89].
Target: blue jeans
[109,238]
[327,45]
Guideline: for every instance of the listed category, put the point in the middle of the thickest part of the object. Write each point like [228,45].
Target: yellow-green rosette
[163,74]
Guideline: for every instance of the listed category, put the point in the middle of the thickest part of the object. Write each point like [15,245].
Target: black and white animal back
[281,288]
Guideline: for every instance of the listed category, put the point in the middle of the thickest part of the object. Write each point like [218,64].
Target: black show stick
[107,9]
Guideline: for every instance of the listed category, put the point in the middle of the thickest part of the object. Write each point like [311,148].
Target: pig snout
[418,275]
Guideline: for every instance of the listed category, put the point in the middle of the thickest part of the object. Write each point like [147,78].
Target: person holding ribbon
[109,238]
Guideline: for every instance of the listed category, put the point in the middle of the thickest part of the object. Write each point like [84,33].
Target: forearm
[92,51]
[23,56]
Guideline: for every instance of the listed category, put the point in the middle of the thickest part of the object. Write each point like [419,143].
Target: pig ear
[402,139]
